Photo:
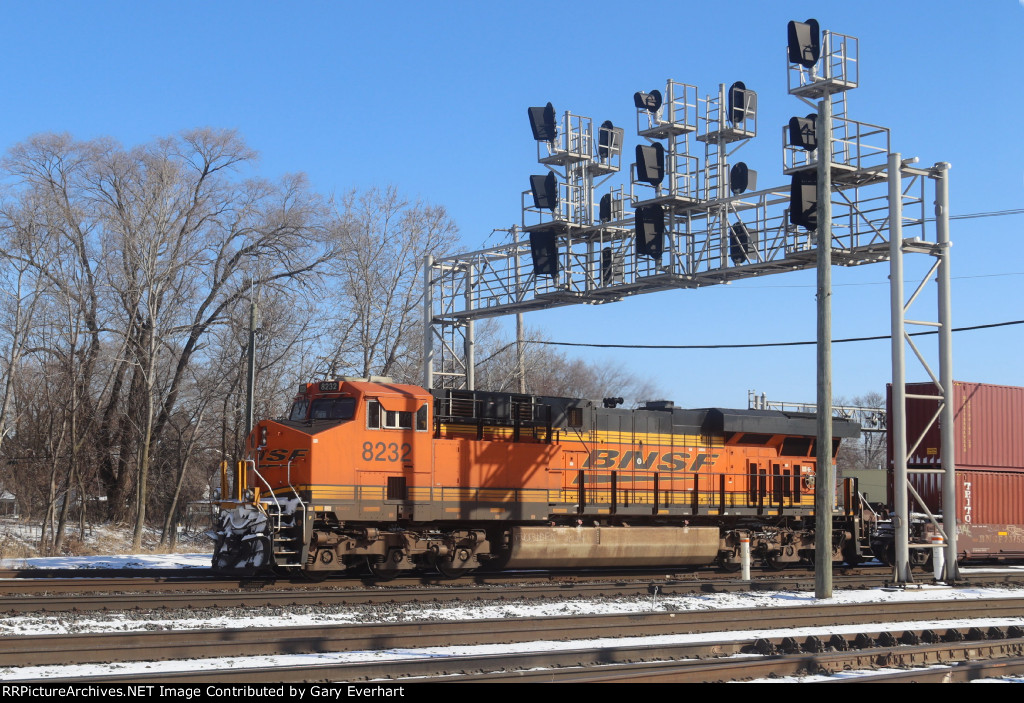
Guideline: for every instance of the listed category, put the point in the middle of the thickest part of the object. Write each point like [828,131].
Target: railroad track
[871,646]
[186,575]
[92,595]
[943,662]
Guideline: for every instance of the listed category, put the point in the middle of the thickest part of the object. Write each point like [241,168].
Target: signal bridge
[691,215]
[683,221]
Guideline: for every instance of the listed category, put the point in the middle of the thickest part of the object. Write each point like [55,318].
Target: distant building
[8,504]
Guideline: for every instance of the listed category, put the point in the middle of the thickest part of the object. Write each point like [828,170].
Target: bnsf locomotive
[366,473]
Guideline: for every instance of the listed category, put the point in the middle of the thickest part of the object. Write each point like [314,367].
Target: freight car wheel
[921,559]
[774,562]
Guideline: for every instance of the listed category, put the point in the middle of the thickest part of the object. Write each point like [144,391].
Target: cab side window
[378,417]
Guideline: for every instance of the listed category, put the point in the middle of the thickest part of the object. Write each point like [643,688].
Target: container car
[989,460]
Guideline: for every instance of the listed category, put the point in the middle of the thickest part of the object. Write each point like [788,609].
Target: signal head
[545,191]
[542,122]
[740,245]
[604,208]
[803,200]
[650,231]
[737,102]
[742,179]
[544,250]
[609,140]
[804,40]
[648,101]
[650,163]
[803,132]
[611,267]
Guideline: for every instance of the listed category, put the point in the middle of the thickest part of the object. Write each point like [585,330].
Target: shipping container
[989,437]
[988,426]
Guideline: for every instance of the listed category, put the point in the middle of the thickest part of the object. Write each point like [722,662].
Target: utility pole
[825,478]
[250,384]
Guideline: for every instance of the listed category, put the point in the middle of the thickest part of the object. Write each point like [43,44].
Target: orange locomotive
[366,472]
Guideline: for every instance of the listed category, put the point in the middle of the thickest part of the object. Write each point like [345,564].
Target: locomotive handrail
[288,479]
[265,483]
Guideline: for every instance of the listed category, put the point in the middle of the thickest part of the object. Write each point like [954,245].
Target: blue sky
[432,97]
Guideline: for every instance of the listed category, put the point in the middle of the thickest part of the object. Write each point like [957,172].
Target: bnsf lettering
[600,459]
[670,461]
[674,461]
[282,454]
[636,460]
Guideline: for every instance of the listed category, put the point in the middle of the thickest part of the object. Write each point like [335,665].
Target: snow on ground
[115,622]
[113,561]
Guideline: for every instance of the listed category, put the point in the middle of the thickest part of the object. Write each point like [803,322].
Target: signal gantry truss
[687,222]
[706,227]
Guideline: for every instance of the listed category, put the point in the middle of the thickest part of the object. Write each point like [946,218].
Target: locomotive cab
[345,453]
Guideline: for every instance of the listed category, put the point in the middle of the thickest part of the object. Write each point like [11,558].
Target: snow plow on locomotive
[366,473]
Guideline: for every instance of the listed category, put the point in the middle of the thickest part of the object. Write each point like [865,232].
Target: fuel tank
[567,547]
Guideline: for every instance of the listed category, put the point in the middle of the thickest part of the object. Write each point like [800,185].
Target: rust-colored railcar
[392,477]
[989,459]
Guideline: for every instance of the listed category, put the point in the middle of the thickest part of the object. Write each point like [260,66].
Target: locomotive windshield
[323,409]
[299,409]
[333,409]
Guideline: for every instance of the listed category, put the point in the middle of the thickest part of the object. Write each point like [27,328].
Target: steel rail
[687,663]
[38,650]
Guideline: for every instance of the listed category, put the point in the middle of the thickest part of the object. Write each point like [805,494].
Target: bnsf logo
[670,461]
[282,454]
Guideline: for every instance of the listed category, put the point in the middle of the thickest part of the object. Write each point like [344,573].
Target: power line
[882,283]
[763,344]
[994,213]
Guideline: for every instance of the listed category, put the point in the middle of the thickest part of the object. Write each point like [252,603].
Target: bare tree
[549,372]
[147,250]
[868,451]
[380,282]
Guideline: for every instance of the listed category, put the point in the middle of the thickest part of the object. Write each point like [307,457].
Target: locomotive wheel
[382,570]
[313,576]
[774,562]
[446,568]
[728,566]
[449,567]
[497,562]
